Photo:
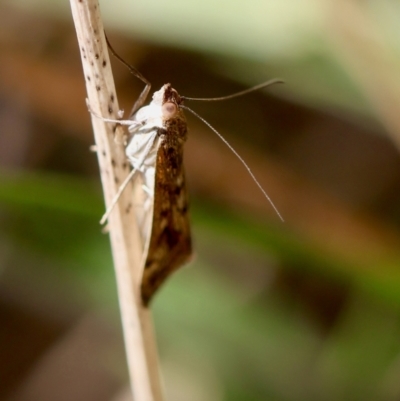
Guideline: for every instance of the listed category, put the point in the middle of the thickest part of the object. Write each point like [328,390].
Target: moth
[156,153]
[155,150]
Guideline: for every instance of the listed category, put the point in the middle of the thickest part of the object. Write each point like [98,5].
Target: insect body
[156,153]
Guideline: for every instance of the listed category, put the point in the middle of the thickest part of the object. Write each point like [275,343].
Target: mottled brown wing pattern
[170,240]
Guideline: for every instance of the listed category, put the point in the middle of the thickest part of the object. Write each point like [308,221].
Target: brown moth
[155,150]
[158,132]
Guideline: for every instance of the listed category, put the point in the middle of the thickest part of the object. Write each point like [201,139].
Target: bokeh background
[308,309]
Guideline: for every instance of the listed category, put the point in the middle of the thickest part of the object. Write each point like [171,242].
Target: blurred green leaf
[257,346]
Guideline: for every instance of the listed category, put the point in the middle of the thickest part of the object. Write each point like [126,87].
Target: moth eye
[169,109]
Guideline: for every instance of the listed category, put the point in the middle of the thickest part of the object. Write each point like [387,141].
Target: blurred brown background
[308,309]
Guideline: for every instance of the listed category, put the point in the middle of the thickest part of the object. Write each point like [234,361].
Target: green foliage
[258,343]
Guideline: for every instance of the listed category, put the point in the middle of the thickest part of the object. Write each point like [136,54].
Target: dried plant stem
[124,234]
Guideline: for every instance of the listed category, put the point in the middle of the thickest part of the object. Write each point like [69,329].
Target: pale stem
[139,338]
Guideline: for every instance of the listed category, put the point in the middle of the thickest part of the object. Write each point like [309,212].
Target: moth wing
[170,244]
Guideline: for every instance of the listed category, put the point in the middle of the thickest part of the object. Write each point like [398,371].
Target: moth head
[171,102]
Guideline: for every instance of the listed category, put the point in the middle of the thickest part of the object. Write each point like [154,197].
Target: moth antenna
[145,92]
[239,157]
[237,94]
[117,196]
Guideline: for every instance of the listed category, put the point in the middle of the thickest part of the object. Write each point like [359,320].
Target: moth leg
[147,190]
[137,165]
[117,196]
[113,120]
